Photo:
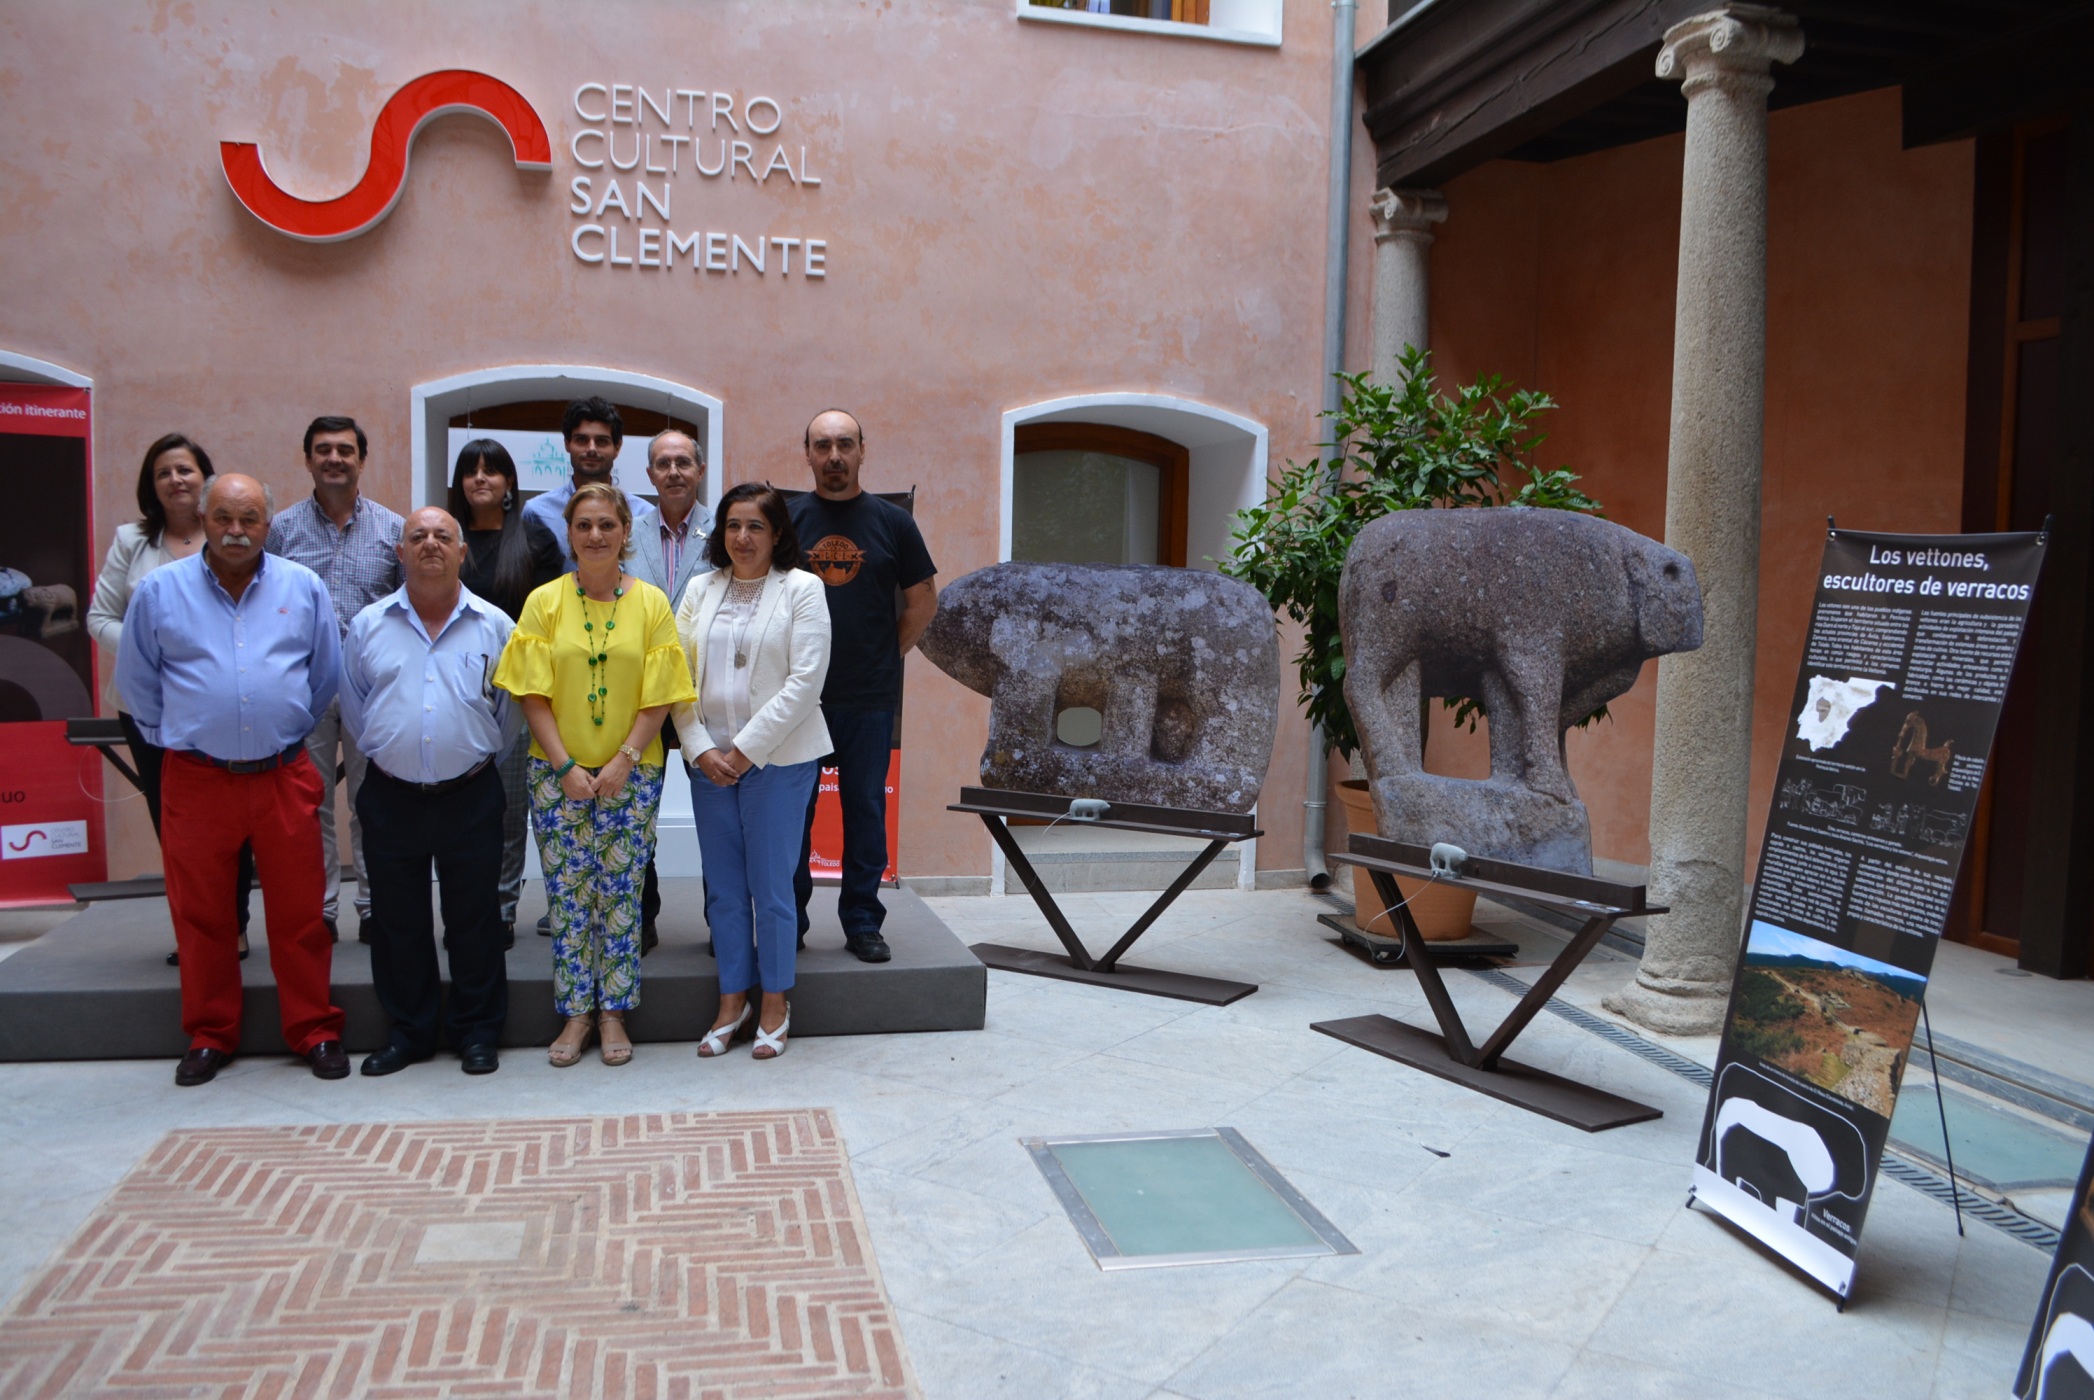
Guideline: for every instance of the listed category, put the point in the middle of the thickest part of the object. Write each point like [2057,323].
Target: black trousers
[864,741]
[460,832]
[149,757]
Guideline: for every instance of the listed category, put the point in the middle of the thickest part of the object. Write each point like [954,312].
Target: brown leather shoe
[200,1066]
[329,1060]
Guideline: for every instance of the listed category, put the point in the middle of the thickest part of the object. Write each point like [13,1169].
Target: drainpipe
[1336,237]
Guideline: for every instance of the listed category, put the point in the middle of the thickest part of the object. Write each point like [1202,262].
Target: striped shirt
[358,564]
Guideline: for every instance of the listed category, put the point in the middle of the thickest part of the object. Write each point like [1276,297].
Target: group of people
[495,667]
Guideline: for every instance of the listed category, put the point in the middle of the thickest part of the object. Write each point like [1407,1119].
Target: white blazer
[130,559]
[789,660]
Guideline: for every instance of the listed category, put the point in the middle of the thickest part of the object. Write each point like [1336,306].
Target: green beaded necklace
[599,664]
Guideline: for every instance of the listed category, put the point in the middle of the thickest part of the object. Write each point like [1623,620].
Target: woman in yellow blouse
[596,663]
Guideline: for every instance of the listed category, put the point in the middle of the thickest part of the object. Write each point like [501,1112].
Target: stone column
[1702,765]
[1403,221]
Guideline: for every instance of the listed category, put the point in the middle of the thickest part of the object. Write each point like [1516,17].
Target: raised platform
[98,986]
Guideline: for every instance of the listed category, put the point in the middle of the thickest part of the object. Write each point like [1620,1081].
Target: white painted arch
[1225,452]
[436,402]
[27,369]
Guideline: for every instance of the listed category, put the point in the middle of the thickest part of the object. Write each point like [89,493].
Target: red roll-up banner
[50,792]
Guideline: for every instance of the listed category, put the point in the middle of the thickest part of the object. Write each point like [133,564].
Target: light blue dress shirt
[238,681]
[549,509]
[426,709]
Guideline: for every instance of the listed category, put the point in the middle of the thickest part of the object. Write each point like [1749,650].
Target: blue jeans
[747,836]
[863,740]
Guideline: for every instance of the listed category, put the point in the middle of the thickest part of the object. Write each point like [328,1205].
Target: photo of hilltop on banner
[1830,708]
[1842,1021]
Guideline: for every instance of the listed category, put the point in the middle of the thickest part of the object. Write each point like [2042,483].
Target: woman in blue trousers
[756,634]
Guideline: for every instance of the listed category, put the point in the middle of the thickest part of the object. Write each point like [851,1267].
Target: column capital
[1400,212]
[1733,46]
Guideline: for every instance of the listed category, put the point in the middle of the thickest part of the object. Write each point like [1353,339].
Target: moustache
[235,541]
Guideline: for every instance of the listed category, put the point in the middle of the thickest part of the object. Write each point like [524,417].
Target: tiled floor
[1502,1255]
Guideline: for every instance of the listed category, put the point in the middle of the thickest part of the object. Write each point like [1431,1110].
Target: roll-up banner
[1911,643]
[50,792]
[2059,1362]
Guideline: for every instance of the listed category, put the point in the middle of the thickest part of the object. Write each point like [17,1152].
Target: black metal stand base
[1536,1090]
[1384,951]
[1181,986]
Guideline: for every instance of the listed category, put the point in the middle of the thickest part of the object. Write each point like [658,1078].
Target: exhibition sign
[50,791]
[1911,644]
[2059,1362]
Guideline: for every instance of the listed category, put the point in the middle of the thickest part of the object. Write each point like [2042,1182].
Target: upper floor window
[1232,21]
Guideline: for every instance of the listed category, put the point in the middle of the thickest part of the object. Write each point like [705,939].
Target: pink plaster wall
[1015,212]
[1561,277]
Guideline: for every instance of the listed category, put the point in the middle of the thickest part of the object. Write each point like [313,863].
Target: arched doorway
[530,399]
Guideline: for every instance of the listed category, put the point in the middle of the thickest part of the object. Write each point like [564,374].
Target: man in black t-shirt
[865,549]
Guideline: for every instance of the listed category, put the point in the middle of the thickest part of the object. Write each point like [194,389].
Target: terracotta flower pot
[1443,912]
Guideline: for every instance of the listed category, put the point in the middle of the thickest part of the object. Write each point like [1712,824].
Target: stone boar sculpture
[1544,616]
[1183,665]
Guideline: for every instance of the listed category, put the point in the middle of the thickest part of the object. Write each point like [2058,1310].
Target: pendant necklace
[744,591]
[599,660]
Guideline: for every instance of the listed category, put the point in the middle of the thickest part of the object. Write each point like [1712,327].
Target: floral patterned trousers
[595,857]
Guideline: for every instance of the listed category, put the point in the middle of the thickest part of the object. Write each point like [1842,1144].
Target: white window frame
[1257,38]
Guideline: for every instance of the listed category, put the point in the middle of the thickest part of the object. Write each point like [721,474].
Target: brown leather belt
[246,765]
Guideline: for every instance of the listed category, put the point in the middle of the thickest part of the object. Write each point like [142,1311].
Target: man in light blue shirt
[593,432]
[418,698]
[228,659]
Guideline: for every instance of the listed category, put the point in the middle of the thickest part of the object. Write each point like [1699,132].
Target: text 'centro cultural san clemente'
[661,137]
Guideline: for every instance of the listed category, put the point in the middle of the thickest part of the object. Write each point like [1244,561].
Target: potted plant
[1402,446]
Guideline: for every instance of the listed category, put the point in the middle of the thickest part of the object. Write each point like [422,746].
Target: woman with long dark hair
[169,528]
[506,556]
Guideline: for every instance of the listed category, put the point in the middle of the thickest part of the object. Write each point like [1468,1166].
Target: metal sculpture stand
[108,736]
[1220,830]
[1453,1055]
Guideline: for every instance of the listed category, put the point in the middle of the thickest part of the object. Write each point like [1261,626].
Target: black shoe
[709,949]
[200,1066]
[334,932]
[871,948]
[545,925]
[801,945]
[363,929]
[479,1059]
[329,1060]
[508,937]
[649,939]
[174,959]
[391,1060]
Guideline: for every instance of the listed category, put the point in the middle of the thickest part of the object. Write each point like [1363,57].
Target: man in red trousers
[228,659]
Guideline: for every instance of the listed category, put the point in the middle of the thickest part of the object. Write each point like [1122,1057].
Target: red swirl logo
[427,97]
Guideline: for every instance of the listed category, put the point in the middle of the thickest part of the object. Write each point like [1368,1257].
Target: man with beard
[864,549]
[418,695]
[350,541]
[228,661]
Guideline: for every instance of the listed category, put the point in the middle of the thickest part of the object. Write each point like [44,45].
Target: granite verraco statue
[1182,665]
[1543,616]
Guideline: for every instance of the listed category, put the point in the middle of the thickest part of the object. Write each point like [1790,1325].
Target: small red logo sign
[427,97]
[835,559]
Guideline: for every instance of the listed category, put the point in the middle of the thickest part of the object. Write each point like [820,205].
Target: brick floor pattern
[691,1256]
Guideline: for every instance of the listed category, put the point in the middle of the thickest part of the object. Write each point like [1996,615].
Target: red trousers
[206,814]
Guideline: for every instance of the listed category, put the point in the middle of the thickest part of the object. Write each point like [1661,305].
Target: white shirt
[425,709]
[725,700]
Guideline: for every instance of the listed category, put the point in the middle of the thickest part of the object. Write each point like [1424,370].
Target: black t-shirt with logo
[863,549]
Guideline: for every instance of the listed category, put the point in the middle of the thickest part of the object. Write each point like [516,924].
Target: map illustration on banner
[1912,640]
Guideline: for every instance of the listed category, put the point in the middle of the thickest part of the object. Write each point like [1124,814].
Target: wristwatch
[632,755]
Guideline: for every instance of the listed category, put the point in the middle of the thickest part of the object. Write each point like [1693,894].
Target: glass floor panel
[1144,1200]
[1993,1146]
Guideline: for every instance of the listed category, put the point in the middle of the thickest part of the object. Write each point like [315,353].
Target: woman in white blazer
[756,634]
[169,527]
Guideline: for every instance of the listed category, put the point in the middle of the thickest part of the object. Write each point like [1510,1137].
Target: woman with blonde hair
[595,662]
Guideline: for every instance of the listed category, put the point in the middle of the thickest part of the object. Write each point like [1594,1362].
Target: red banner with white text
[50,792]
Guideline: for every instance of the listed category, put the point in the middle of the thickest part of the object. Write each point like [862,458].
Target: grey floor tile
[959,1363]
[1594,1375]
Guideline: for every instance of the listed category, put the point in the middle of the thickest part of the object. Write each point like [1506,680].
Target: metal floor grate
[2000,1216]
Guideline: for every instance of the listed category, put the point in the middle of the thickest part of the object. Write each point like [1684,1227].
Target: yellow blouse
[548,654]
